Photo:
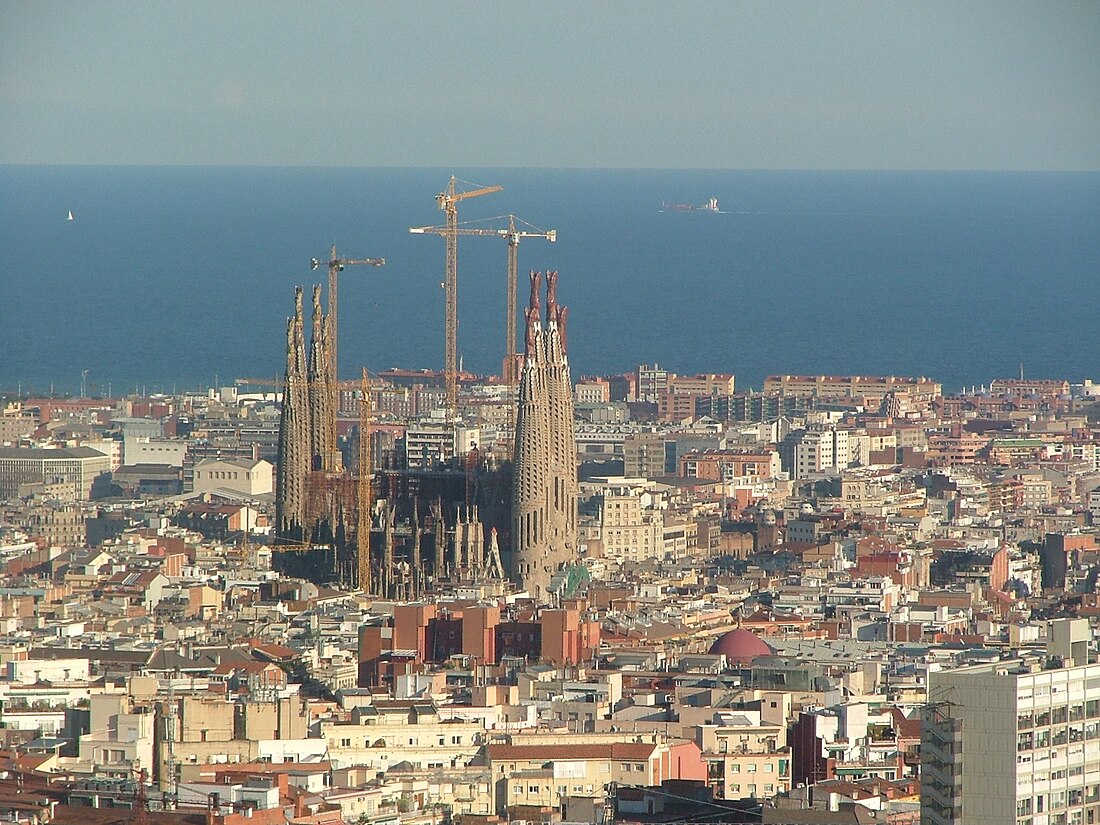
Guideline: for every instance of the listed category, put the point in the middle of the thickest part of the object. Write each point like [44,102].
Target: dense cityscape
[762,489]
[428,596]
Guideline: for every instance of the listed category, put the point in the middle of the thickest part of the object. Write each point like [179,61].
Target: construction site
[353,510]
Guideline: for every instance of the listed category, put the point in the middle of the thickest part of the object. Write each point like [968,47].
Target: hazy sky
[917,85]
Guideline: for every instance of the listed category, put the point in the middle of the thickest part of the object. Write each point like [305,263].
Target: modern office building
[73,470]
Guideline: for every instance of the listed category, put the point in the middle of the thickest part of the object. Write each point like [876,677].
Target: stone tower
[544,485]
[294,431]
[307,426]
[322,413]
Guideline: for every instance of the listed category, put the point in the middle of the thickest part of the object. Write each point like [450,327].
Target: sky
[640,84]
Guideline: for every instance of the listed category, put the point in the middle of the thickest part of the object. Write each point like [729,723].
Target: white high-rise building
[1015,741]
[813,451]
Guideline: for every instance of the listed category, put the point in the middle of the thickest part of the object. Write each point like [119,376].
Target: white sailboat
[70,214]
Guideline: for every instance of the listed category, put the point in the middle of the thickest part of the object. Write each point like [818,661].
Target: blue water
[176,277]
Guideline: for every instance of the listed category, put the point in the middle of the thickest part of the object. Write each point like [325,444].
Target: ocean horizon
[182,277]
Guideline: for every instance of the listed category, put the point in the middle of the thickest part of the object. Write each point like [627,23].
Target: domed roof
[741,646]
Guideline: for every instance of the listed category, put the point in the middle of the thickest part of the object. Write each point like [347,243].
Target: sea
[181,278]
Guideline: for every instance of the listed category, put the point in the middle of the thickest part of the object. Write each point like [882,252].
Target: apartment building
[1015,741]
[805,452]
[630,531]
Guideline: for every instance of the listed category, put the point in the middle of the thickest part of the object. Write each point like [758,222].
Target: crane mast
[509,370]
[336,265]
[513,235]
[448,202]
[364,490]
[511,364]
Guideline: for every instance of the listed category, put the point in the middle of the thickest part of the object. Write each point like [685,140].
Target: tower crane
[448,202]
[364,491]
[511,374]
[513,235]
[336,265]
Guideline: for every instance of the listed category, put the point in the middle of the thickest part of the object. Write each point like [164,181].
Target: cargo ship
[710,206]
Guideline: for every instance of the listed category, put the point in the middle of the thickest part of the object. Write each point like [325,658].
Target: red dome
[741,646]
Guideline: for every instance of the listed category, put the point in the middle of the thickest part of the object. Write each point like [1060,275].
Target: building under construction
[399,535]
[314,499]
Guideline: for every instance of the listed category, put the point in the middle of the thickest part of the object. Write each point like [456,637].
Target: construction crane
[448,202]
[336,265]
[364,491]
[513,236]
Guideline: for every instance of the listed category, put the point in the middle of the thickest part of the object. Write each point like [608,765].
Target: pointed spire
[318,316]
[532,314]
[551,296]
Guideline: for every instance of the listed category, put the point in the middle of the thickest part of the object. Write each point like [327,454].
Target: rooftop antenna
[1021,370]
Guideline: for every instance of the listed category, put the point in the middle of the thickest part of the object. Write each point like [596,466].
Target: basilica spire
[544,485]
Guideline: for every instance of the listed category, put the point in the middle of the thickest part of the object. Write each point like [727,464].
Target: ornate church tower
[322,415]
[544,485]
[294,430]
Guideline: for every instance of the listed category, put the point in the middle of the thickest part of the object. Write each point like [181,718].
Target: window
[751,767]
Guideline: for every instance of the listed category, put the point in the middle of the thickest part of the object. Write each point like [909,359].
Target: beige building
[243,476]
[592,391]
[747,758]
[76,469]
[388,733]
[121,736]
[16,423]
[214,730]
[60,526]
[541,776]
[848,386]
[629,531]
[644,455]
